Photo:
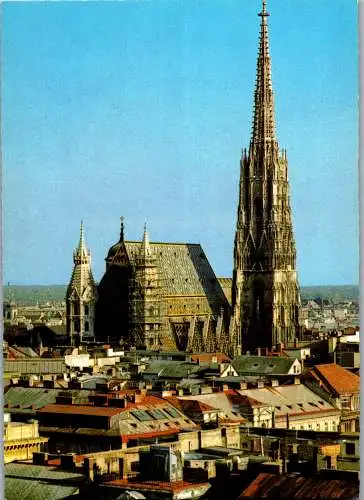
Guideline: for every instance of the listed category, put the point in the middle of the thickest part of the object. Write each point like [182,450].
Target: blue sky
[141,109]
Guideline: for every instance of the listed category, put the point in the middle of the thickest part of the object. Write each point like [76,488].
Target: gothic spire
[81,245]
[263,114]
[81,255]
[145,250]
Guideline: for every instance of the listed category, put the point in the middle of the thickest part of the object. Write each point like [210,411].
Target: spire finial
[263,115]
[81,255]
[81,246]
[122,228]
[145,249]
[264,12]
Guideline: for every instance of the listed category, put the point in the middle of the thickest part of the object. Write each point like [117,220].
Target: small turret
[81,295]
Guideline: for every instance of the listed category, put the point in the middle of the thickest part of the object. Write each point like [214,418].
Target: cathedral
[158,295]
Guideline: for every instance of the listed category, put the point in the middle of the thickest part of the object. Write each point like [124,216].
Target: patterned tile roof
[226,285]
[184,269]
[337,379]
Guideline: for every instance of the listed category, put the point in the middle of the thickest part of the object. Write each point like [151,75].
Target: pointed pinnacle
[81,245]
[263,114]
[145,249]
[121,228]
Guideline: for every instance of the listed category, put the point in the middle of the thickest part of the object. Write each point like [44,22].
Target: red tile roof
[174,487]
[54,461]
[286,487]
[337,378]
[239,399]
[97,411]
[189,404]
[153,434]
[207,357]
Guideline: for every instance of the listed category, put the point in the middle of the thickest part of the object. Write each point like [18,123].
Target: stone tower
[145,298]
[265,294]
[81,296]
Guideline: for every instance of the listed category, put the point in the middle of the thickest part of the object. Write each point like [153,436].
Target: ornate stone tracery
[265,286]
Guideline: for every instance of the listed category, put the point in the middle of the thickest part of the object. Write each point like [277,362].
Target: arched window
[87,326]
[86,309]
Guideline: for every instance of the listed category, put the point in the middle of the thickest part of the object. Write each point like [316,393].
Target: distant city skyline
[141,109]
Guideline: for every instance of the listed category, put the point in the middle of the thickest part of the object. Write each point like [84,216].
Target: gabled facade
[162,296]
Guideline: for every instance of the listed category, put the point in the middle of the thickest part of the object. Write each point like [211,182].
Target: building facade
[161,296]
[265,292]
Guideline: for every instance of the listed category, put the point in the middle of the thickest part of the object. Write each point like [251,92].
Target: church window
[86,309]
[87,326]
